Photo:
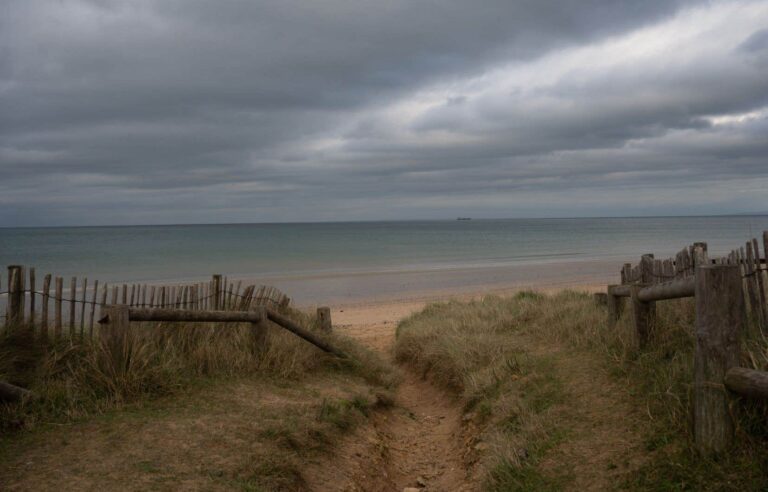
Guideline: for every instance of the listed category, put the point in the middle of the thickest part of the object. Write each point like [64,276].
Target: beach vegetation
[295,400]
[521,365]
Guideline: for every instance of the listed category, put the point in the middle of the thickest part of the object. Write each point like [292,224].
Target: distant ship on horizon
[464,218]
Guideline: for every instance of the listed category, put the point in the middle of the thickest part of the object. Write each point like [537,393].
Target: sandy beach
[398,287]
[372,320]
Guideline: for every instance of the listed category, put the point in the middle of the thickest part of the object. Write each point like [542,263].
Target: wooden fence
[52,310]
[216,301]
[729,292]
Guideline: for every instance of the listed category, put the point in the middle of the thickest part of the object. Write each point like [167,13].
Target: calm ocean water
[193,252]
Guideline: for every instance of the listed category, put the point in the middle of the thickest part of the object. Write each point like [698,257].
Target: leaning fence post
[324,318]
[719,322]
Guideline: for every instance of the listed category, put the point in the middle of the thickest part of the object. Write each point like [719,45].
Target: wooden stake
[57,323]
[216,292]
[236,296]
[644,313]
[72,299]
[32,298]
[223,300]
[13,308]
[23,293]
[152,296]
[719,323]
[758,273]
[93,308]
[44,307]
[754,304]
[324,319]
[82,307]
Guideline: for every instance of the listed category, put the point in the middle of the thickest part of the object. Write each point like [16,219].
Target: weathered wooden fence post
[751,274]
[57,308]
[760,283]
[720,313]
[644,313]
[14,313]
[32,298]
[113,331]
[82,306]
[23,291]
[260,331]
[615,307]
[72,300]
[324,319]
[44,306]
[93,308]
[216,292]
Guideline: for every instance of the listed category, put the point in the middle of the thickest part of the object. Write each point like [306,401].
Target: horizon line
[299,222]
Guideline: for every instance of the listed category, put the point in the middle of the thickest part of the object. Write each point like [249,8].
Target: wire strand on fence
[167,304]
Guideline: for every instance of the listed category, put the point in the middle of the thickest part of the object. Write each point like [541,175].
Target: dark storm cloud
[192,111]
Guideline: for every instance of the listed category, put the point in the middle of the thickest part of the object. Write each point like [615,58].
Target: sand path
[419,441]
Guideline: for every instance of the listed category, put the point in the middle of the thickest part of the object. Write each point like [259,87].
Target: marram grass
[474,350]
[74,378]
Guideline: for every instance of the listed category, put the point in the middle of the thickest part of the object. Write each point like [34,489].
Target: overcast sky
[186,111]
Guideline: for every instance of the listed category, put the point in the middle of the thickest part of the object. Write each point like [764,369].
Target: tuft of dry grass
[77,377]
[477,349]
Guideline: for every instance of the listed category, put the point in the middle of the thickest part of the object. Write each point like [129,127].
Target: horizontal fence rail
[117,317]
[729,291]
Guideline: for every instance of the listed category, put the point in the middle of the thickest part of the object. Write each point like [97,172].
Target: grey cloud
[212,111]
[757,41]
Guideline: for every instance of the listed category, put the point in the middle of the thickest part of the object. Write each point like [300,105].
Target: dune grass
[478,350]
[78,380]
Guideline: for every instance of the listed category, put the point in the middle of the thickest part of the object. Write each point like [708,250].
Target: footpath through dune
[417,443]
[422,443]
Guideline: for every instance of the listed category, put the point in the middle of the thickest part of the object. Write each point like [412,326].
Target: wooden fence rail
[728,291]
[117,317]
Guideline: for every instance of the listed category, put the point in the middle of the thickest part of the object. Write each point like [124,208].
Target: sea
[348,261]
